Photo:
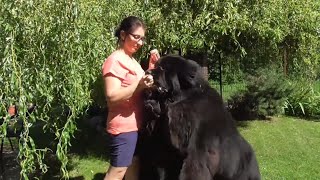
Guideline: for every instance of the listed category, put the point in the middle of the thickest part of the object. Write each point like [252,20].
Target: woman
[124,81]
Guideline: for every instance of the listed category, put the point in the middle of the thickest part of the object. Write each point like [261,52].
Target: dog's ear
[188,79]
[176,89]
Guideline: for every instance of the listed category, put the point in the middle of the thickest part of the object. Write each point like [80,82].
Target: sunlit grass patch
[286,148]
[88,167]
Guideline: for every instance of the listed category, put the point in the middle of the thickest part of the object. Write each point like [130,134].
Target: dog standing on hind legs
[195,129]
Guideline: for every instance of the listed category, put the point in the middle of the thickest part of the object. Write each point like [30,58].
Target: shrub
[264,95]
[304,101]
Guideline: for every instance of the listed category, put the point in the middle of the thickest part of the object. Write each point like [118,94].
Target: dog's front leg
[195,167]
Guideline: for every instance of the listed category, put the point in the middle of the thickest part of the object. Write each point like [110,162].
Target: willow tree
[246,35]
[51,55]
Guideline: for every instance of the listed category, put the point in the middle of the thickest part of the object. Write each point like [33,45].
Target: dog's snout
[162,90]
[148,72]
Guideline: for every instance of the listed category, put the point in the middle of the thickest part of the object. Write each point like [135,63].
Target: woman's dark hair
[128,25]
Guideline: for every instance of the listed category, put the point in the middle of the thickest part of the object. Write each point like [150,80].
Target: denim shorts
[122,147]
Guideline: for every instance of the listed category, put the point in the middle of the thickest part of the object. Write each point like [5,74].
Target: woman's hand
[154,57]
[146,81]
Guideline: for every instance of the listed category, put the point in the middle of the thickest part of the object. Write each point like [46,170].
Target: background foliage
[52,51]
[264,96]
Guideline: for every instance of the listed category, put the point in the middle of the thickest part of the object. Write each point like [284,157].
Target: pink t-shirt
[126,115]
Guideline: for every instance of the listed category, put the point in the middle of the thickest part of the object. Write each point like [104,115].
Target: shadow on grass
[304,118]
[245,123]
[77,178]
[242,124]
[98,176]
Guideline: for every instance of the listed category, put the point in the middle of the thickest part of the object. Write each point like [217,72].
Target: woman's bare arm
[114,92]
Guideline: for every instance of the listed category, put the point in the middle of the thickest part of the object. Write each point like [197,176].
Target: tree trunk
[285,61]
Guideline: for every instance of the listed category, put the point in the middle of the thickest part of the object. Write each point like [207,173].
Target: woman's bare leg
[132,172]
[115,173]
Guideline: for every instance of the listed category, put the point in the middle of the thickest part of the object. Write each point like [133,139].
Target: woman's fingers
[148,80]
[154,55]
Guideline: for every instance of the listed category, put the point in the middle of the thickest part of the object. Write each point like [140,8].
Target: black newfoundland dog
[188,133]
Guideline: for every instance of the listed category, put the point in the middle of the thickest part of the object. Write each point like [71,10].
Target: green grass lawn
[316,86]
[286,148]
[88,167]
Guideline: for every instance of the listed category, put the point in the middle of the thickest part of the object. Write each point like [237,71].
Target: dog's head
[174,74]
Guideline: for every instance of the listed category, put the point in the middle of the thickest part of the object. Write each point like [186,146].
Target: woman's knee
[115,173]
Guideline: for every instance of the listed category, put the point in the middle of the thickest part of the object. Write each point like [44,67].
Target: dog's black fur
[188,133]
